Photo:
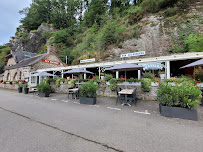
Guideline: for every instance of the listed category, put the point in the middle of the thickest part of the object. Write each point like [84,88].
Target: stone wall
[108,93]
[102,92]
[9,86]
[43,65]
[17,74]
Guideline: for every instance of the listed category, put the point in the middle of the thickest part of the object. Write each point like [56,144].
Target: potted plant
[44,89]
[20,87]
[88,93]
[26,89]
[179,101]
[162,75]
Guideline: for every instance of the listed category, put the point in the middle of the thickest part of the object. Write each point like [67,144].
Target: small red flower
[122,78]
[198,82]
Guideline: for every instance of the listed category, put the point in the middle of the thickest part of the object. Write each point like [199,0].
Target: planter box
[26,90]
[200,85]
[20,90]
[162,76]
[178,112]
[44,94]
[154,84]
[91,101]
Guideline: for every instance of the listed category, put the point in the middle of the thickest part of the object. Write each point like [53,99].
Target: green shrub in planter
[108,77]
[113,84]
[44,87]
[88,90]
[148,75]
[184,95]
[72,83]
[146,84]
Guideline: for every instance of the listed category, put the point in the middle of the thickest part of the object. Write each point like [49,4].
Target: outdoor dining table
[76,91]
[126,92]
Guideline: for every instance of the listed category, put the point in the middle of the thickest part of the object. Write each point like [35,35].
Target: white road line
[146,112]
[64,100]
[94,106]
[113,108]
[53,99]
[44,98]
[76,102]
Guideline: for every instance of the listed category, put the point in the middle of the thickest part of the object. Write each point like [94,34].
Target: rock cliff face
[33,41]
[155,38]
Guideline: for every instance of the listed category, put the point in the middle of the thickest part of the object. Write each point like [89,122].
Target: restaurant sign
[52,62]
[132,54]
[152,66]
[87,60]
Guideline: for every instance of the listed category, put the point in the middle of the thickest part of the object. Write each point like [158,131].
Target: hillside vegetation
[90,28]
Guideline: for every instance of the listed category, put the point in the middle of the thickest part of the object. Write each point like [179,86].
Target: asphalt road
[56,124]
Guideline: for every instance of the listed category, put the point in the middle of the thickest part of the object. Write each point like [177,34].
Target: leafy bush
[184,95]
[72,83]
[47,34]
[146,84]
[88,90]
[108,77]
[113,84]
[59,80]
[148,75]
[44,87]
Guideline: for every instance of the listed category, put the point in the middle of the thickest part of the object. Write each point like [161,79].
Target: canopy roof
[78,71]
[43,74]
[125,67]
[196,63]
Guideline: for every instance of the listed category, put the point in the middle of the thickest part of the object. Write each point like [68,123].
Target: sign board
[132,54]
[25,70]
[87,60]
[52,62]
[152,66]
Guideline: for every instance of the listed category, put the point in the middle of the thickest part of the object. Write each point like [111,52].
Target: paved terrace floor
[56,123]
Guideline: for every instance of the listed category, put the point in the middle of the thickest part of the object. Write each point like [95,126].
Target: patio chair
[70,92]
[132,97]
[119,97]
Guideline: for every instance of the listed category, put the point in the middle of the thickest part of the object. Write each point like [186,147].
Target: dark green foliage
[148,75]
[113,84]
[184,95]
[146,84]
[88,90]
[188,40]
[44,87]
[108,77]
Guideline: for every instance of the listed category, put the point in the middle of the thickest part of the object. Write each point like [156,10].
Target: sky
[10,18]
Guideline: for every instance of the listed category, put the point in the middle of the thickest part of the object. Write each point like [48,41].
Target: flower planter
[26,90]
[44,94]
[178,112]
[200,85]
[162,76]
[20,89]
[154,84]
[85,100]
